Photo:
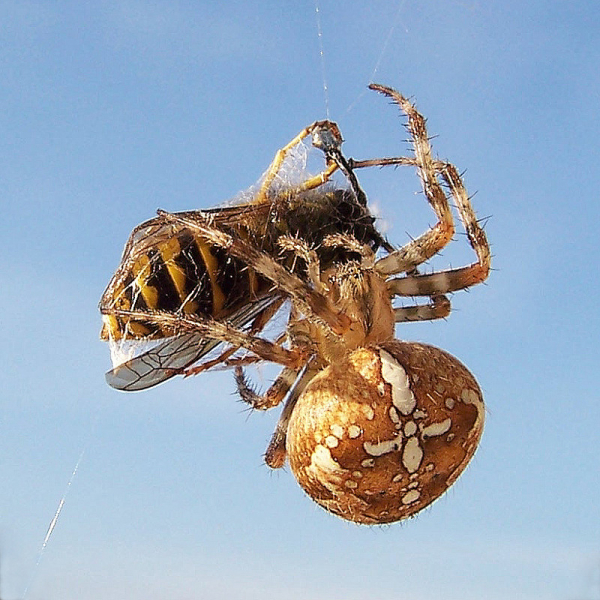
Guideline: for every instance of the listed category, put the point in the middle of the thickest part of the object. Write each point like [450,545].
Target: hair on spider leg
[483,221]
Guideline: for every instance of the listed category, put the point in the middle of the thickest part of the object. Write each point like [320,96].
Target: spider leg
[302,250]
[209,364]
[259,323]
[222,331]
[273,396]
[242,361]
[349,242]
[421,249]
[451,280]
[433,240]
[438,308]
[276,452]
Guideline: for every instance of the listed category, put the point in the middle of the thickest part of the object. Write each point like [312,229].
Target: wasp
[374,428]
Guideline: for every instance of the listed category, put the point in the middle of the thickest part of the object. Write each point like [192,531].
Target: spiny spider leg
[302,250]
[276,452]
[431,242]
[479,270]
[451,280]
[259,323]
[273,396]
[209,364]
[351,243]
[222,331]
[248,359]
[438,308]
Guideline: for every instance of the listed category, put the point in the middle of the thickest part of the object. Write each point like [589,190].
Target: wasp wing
[169,357]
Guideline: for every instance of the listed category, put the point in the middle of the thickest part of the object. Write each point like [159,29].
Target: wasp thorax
[381,435]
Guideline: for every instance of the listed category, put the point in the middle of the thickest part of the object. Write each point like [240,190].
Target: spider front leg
[431,242]
[259,323]
[223,332]
[284,382]
[302,251]
[407,258]
[451,280]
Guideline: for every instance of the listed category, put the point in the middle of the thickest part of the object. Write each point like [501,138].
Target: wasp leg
[325,135]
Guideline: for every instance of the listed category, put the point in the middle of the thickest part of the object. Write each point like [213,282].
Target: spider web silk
[53,523]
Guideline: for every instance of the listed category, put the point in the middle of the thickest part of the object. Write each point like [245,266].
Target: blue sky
[110,110]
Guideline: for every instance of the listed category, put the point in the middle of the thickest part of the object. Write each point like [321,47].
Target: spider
[374,428]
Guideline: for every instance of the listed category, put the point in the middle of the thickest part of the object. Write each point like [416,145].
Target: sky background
[109,110]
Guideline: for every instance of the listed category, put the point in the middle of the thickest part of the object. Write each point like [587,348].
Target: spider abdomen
[379,437]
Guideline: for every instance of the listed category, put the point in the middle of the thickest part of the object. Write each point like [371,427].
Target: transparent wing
[166,358]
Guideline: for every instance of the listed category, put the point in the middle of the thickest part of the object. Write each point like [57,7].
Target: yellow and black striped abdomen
[181,274]
[167,267]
